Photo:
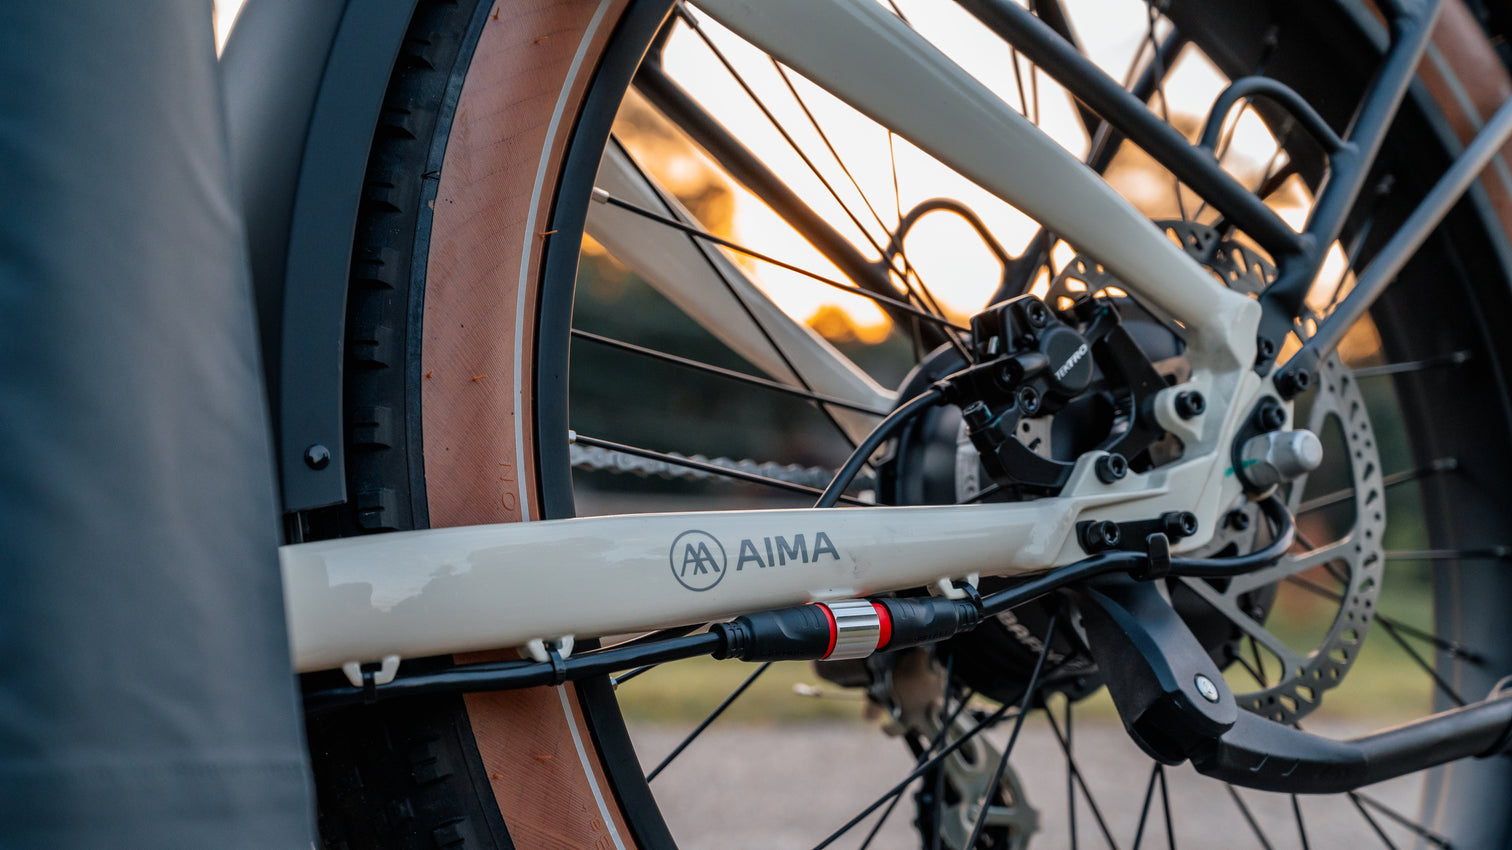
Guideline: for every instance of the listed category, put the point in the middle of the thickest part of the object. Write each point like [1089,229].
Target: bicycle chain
[599,459]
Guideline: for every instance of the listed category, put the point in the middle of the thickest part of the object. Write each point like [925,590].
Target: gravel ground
[761,788]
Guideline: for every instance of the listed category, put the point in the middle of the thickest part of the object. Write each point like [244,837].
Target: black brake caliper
[1032,363]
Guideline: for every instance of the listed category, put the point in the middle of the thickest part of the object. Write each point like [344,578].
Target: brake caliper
[1033,364]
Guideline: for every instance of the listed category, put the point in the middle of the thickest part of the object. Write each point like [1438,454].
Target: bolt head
[1237,520]
[317,457]
[1270,416]
[1293,383]
[1111,467]
[1100,535]
[1190,404]
[1179,524]
[1029,400]
[1206,687]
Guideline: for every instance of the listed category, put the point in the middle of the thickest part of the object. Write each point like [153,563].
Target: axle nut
[1277,456]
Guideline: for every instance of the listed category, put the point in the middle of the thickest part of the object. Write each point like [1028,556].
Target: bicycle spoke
[937,805]
[985,723]
[1421,831]
[1144,808]
[1165,105]
[1360,807]
[1443,464]
[1301,827]
[1018,724]
[689,463]
[1165,804]
[1081,782]
[921,296]
[1453,358]
[722,372]
[1492,553]
[926,301]
[712,290]
[713,716]
[1070,780]
[1418,659]
[893,303]
[692,24]
[1238,656]
[1249,817]
[1455,649]
[1259,662]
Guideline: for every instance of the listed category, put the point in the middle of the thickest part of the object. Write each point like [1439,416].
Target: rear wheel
[466,288]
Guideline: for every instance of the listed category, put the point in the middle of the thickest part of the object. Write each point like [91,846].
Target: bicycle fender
[304,84]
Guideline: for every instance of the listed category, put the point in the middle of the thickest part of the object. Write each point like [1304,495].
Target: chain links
[596,458]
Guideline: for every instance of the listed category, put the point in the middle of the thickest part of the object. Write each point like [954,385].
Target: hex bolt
[1237,520]
[1178,524]
[317,457]
[1270,415]
[1100,535]
[1029,400]
[1110,467]
[1190,404]
[1206,687]
[1037,314]
[977,415]
[1265,350]
[1292,383]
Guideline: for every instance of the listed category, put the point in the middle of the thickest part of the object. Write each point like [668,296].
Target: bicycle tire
[455,322]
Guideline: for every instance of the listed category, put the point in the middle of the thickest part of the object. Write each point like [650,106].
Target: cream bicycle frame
[418,593]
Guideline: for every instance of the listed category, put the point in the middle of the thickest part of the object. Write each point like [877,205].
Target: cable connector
[852,628]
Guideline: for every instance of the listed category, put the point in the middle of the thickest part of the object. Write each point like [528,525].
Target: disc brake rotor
[1345,565]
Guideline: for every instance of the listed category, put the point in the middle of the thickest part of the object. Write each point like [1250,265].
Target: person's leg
[146,698]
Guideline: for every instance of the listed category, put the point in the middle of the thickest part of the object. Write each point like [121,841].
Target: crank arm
[1176,707]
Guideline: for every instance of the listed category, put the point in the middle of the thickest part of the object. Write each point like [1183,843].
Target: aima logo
[698,560]
[780,550]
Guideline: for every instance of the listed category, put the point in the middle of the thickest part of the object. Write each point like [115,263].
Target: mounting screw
[977,415]
[1190,404]
[1293,382]
[1178,524]
[1037,314]
[1270,415]
[1099,535]
[1206,687]
[1029,400]
[1110,467]
[1237,520]
[1265,350]
[317,457]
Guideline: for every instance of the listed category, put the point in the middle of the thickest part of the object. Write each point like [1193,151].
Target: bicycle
[402,431]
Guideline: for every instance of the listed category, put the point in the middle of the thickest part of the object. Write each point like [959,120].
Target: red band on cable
[834,629]
[884,620]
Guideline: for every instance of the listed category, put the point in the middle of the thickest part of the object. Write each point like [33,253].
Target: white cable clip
[387,668]
[946,586]
[536,648]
